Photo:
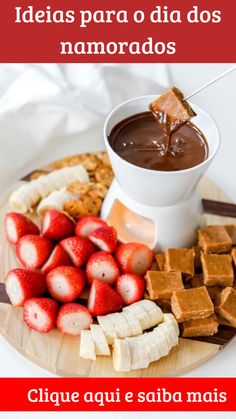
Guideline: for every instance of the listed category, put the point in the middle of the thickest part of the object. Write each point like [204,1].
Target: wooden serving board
[60,354]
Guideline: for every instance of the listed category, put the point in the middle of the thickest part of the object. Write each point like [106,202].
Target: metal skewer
[210,82]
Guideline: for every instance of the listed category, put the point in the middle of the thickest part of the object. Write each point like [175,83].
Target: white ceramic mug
[153,187]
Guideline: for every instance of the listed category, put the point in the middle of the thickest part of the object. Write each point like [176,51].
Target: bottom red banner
[117,394]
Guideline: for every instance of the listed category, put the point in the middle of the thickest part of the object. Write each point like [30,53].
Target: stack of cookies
[198,284]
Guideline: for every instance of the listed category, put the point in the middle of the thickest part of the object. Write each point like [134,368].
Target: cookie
[104,175]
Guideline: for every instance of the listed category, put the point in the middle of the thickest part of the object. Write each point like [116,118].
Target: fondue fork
[210,82]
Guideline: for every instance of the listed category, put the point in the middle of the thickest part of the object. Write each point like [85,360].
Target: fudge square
[197,281]
[214,239]
[190,304]
[161,285]
[177,110]
[225,305]
[181,260]
[231,230]
[233,253]
[160,260]
[200,327]
[217,270]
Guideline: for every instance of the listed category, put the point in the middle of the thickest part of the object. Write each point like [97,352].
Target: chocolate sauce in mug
[140,141]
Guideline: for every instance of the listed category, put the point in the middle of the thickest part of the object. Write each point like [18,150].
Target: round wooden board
[60,354]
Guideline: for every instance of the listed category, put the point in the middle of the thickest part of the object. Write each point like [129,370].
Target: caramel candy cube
[154,266]
[233,253]
[231,230]
[200,327]
[161,285]
[225,305]
[197,281]
[190,304]
[214,239]
[217,270]
[160,261]
[181,260]
[171,108]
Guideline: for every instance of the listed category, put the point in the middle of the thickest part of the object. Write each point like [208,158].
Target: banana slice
[154,312]
[28,195]
[121,355]
[120,324]
[55,200]
[138,353]
[170,318]
[140,315]
[170,333]
[164,345]
[99,339]
[108,329]
[135,328]
[87,347]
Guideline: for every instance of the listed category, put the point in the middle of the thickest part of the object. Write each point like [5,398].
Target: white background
[48,111]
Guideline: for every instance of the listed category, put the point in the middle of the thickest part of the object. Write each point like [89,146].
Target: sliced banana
[135,328]
[87,347]
[164,345]
[120,324]
[55,200]
[170,333]
[154,312]
[28,194]
[108,329]
[121,355]
[140,314]
[138,353]
[170,318]
[100,342]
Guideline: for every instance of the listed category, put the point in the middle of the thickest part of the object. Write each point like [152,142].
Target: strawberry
[17,226]
[130,287]
[134,258]
[65,283]
[78,248]
[105,238]
[72,318]
[58,257]
[33,251]
[22,284]
[40,314]
[56,225]
[102,265]
[87,224]
[103,299]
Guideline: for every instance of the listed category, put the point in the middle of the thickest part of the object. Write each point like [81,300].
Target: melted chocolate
[141,141]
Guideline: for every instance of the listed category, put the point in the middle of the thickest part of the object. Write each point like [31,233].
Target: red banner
[117,31]
[118,394]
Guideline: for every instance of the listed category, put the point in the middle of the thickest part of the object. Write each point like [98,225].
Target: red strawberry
[40,314]
[130,287]
[78,248]
[72,318]
[17,226]
[103,299]
[33,251]
[56,225]
[102,265]
[134,258]
[87,224]
[65,283]
[22,284]
[57,258]
[105,238]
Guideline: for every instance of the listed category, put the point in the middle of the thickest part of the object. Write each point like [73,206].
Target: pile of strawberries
[63,258]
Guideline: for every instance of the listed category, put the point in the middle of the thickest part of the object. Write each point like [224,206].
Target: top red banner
[117,31]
